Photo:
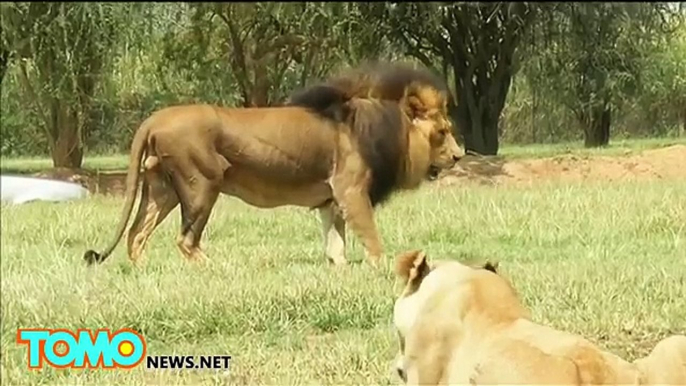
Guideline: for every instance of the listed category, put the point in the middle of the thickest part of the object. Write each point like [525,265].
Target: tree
[595,61]
[266,49]
[474,44]
[4,54]
[62,50]
[664,86]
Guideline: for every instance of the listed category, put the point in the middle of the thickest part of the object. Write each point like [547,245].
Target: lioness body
[666,363]
[465,325]
[341,148]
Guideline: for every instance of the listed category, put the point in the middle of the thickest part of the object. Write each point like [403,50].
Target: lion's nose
[456,157]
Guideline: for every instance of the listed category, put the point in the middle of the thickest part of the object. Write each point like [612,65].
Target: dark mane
[380,80]
[368,99]
[323,99]
[389,81]
[378,129]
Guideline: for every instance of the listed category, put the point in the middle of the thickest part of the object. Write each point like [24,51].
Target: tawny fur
[666,363]
[339,151]
[459,324]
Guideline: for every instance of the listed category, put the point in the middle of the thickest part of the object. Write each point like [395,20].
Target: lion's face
[429,112]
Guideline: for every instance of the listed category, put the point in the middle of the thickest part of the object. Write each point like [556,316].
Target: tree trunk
[477,114]
[4,61]
[597,127]
[458,127]
[67,151]
[482,62]
[259,95]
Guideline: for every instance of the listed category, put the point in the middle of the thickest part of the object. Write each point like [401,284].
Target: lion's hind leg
[196,207]
[197,200]
[158,199]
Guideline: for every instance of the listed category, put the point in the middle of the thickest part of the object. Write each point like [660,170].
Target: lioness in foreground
[463,325]
[341,147]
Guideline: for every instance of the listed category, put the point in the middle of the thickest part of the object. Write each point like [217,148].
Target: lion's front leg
[359,214]
[333,229]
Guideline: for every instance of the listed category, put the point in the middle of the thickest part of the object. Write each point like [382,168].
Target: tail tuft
[91,257]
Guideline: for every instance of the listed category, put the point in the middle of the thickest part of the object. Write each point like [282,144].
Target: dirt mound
[664,163]
[94,181]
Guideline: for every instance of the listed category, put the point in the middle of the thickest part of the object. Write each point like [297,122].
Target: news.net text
[187,362]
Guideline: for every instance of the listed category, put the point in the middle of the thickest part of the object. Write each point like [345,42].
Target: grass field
[604,260]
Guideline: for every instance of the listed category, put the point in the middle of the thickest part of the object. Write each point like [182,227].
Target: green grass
[29,165]
[604,260]
[26,165]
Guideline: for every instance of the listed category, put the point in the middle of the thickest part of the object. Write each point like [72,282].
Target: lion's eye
[437,138]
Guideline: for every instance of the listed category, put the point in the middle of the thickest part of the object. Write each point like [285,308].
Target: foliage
[264,50]
[663,95]
[594,56]
[474,45]
[514,69]
[62,50]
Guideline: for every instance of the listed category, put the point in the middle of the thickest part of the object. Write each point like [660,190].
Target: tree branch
[414,50]
[263,51]
[238,60]
[458,38]
[24,78]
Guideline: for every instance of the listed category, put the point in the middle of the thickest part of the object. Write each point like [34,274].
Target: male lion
[459,324]
[341,147]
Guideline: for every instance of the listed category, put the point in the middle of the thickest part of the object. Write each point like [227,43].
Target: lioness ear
[493,267]
[411,268]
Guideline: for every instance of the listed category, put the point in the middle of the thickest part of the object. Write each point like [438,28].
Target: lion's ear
[411,268]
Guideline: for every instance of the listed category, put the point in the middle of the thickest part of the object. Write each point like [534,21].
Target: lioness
[341,147]
[459,324]
[666,363]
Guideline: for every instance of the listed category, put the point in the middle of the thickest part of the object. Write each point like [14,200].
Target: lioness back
[666,363]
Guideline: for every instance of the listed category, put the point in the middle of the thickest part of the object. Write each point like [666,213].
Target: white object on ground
[19,190]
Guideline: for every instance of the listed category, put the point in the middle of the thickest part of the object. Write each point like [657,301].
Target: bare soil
[664,163]
[110,182]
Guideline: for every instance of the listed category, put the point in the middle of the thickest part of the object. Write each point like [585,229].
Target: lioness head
[427,109]
[434,300]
